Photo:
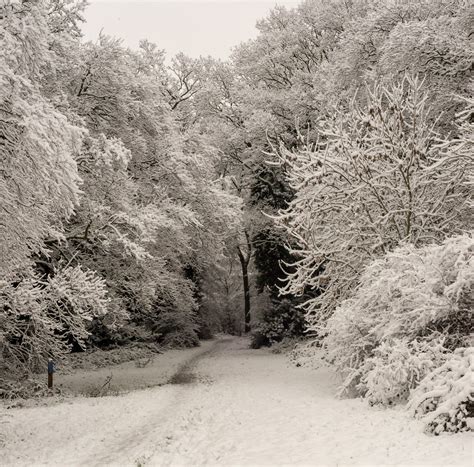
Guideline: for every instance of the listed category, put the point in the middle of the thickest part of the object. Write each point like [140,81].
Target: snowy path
[228,405]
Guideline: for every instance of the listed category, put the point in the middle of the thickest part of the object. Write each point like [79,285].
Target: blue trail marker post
[51,370]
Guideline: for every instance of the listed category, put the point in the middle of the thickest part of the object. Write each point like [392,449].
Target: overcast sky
[195,27]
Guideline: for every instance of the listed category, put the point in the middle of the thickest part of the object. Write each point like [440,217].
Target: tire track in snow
[153,433]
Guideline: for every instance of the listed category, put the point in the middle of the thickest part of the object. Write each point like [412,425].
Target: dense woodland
[318,184]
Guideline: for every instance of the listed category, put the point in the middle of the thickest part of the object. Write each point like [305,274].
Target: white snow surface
[230,406]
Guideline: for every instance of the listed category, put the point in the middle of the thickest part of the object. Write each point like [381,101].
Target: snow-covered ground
[228,405]
[128,376]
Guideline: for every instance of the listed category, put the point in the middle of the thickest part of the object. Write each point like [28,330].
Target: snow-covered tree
[371,183]
[388,38]
[39,183]
[153,207]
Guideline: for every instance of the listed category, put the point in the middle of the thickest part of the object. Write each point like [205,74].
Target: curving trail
[227,405]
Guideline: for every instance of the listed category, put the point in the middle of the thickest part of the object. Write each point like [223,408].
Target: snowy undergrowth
[99,358]
[445,397]
[307,354]
[397,366]
[411,311]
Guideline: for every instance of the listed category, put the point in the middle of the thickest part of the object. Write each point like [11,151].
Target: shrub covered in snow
[282,320]
[445,397]
[397,366]
[412,307]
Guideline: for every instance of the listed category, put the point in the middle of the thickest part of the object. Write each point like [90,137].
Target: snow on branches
[411,309]
[445,397]
[39,183]
[457,154]
[44,318]
[370,184]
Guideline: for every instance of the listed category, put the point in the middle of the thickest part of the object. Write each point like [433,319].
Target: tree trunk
[244,263]
[245,278]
